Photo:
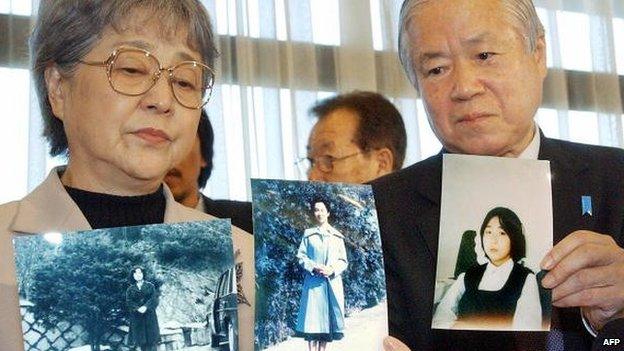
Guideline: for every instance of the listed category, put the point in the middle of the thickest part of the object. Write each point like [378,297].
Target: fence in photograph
[64,336]
[68,336]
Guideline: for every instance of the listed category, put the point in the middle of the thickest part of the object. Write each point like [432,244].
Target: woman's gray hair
[66,30]
[521,11]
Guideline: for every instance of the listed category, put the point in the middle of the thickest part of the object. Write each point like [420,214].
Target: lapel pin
[586,205]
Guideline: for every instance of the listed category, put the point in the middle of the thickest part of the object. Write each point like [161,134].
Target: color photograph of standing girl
[319,267]
[323,256]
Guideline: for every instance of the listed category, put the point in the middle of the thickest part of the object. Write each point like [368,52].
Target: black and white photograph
[495,228]
[149,288]
[319,267]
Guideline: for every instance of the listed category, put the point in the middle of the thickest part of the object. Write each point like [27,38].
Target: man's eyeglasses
[133,72]
[324,163]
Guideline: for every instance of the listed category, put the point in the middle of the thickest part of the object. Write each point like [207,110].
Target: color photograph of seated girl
[496,290]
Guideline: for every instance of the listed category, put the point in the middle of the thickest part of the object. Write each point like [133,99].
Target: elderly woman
[120,85]
[323,256]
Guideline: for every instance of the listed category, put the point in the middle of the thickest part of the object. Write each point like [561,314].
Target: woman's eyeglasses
[133,72]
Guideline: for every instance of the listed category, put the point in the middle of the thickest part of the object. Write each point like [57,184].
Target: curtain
[278,57]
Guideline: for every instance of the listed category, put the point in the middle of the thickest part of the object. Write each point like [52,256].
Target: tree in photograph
[84,284]
[30,252]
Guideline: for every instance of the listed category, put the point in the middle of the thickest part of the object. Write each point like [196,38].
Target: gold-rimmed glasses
[134,71]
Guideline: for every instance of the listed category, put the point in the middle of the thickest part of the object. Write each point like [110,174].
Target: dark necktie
[554,341]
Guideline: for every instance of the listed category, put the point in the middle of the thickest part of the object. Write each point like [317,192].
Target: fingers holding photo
[393,344]
[587,270]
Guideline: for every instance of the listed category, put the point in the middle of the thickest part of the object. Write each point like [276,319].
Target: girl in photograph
[501,294]
[323,256]
[142,300]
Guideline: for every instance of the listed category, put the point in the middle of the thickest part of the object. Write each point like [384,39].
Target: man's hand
[394,344]
[587,270]
[142,309]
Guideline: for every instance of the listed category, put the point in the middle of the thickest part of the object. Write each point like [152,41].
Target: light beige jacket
[48,208]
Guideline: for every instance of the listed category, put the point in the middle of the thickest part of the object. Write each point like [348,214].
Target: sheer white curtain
[278,57]
[583,98]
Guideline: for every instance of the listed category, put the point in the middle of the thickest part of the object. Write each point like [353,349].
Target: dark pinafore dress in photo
[498,306]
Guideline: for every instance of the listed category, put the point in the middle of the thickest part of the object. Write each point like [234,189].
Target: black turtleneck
[108,211]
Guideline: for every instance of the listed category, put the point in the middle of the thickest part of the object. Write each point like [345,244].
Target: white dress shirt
[532,150]
[528,314]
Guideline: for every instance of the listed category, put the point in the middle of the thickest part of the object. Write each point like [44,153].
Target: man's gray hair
[66,30]
[521,11]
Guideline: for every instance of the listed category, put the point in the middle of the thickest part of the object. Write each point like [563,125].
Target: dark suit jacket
[408,205]
[238,211]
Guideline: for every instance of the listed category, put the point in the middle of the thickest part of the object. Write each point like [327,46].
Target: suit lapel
[48,208]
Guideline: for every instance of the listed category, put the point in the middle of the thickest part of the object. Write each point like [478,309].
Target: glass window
[548,121]
[16,7]
[574,40]
[288,141]
[407,108]
[322,95]
[257,148]
[253,19]
[5,6]
[14,98]
[234,141]
[622,128]
[618,38]
[226,17]
[280,20]
[52,162]
[583,127]
[429,143]
[303,122]
[376,25]
[543,16]
[325,22]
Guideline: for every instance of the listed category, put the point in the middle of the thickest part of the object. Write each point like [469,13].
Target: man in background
[191,175]
[359,136]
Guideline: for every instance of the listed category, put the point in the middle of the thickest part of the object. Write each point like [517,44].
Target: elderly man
[359,136]
[479,67]
[189,176]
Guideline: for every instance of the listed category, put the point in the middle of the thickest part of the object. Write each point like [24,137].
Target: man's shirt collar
[532,150]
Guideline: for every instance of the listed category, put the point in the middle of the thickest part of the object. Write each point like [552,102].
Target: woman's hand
[325,271]
[142,309]
[393,344]
[328,271]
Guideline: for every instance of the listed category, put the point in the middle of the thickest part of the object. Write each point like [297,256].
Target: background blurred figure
[360,136]
[188,177]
